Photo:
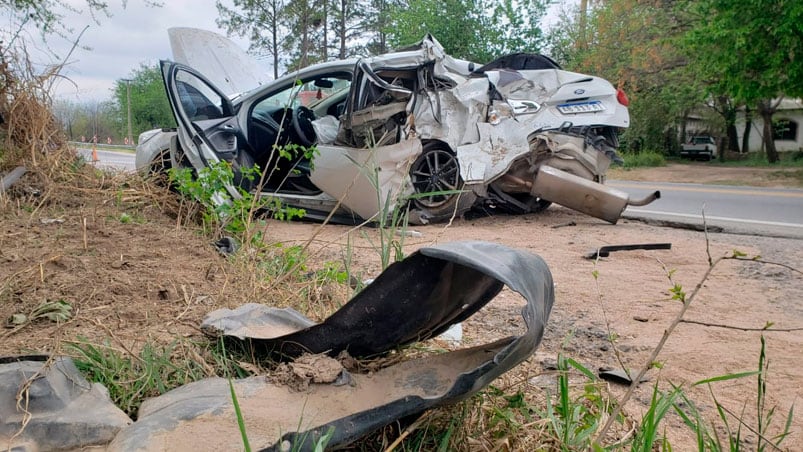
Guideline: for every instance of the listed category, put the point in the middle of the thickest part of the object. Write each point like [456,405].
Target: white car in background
[414,128]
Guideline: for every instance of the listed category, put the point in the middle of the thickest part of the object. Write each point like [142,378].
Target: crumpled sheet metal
[412,300]
[58,408]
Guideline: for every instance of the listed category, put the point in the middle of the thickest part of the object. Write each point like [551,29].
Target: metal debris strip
[412,300]
[619,376]
[11,178]
[605,251]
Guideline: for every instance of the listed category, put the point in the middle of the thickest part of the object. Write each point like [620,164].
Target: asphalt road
[746,210]
[750,210]
[116,160]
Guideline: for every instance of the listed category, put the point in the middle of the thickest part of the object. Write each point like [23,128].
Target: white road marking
[709,217]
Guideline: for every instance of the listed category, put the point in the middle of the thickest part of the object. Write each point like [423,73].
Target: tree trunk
[725,108]
[683,126]
[748,125]
[326,30]
[305,23]
[274,30]
[343,14]
[733,136]
[766,111]
[583,24]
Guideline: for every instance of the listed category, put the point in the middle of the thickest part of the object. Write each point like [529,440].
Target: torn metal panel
[46,404]
[412,300]
[367,181]
[499,146]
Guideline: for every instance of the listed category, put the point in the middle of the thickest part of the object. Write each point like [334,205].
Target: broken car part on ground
[413,300]
[416,128]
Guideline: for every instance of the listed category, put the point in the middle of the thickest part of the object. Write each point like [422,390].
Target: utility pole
[128,103]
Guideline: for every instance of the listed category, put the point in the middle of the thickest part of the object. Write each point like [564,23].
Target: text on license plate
[581,107]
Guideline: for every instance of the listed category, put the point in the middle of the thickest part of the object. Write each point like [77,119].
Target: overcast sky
[129,37]
[121,42]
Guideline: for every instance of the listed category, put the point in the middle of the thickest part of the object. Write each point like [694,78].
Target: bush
[643,159]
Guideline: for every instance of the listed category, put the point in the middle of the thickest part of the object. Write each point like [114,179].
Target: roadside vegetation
[642,159]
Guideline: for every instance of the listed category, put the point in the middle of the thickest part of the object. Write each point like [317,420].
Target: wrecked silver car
[413,128]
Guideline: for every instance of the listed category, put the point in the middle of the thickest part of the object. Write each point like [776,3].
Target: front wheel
[435,176]
[160,164]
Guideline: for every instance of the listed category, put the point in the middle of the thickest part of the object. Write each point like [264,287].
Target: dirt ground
[711,173]
[118,258]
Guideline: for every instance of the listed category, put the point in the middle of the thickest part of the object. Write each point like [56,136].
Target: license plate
[581,107]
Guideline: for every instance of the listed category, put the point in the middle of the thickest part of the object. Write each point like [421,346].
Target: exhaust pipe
[583,195]
[646,200]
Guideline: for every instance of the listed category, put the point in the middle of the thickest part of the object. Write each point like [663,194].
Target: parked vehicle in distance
[699,147]
[416,129]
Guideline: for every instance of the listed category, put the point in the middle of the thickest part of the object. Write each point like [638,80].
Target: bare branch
[732,327]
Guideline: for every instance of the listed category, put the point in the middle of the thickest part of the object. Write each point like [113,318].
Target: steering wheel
[302,124]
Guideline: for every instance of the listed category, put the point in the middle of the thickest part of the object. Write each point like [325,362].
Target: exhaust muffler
[583,195]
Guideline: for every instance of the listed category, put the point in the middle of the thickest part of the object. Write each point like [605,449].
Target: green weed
[573,421]
[55,311]
[131,378]
[236,403]
[222,213]
[759,159]
[643,159]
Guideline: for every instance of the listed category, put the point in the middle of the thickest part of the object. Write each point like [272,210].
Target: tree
[634,45]
[377,23]
[349,22]
[66,113]
[149,105]
[306,42]
[754,52]
[514,26]
[48,15]
[254,18]
[466,30]
[295,33]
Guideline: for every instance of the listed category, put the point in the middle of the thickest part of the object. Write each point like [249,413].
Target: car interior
[281,125]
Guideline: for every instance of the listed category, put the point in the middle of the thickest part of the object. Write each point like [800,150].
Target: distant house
[696,124]
[787,123]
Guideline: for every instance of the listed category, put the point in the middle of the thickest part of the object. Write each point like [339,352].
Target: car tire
[437,170]
[161,163]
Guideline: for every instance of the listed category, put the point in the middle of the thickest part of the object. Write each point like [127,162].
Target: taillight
[622,97]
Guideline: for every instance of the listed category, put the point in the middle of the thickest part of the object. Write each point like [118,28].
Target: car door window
[197,99]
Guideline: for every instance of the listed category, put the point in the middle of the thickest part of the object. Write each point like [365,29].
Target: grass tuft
[643,159]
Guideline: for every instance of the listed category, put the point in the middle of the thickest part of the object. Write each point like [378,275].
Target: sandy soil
[140,279]
[711,173]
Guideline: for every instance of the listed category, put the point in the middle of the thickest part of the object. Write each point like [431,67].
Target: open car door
[207,126]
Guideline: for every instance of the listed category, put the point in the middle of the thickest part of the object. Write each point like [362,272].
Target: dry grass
[29,129]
